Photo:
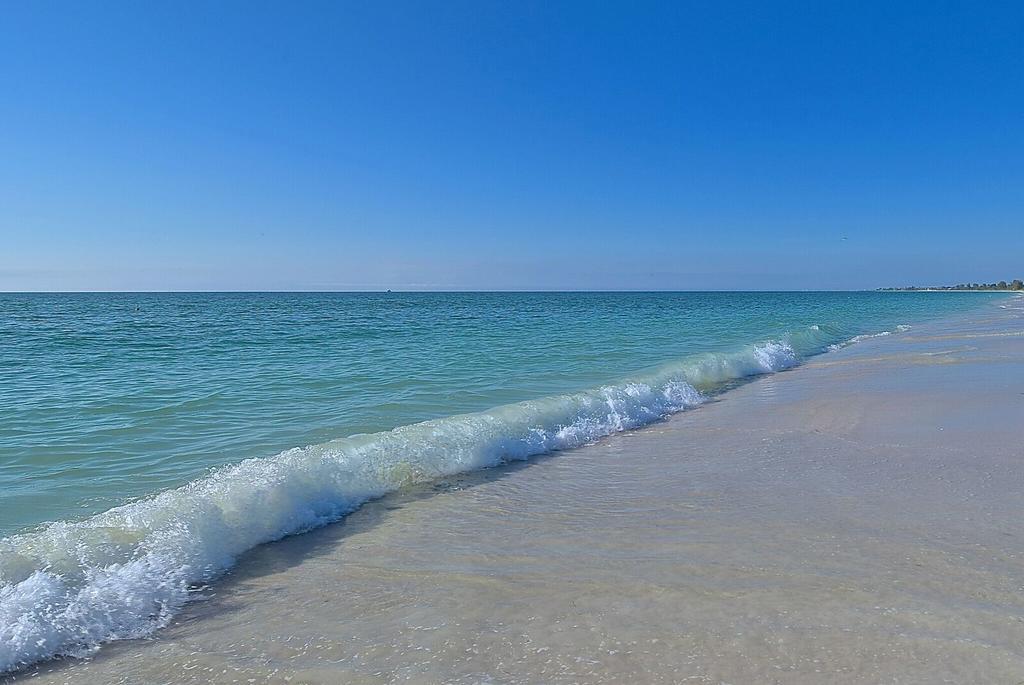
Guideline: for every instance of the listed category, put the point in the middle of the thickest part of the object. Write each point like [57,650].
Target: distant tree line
[1015,284]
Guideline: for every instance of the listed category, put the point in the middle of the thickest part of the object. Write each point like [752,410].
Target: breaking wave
[124,573]
[902,328]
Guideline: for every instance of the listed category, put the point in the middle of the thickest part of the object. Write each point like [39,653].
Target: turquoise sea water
[148,439]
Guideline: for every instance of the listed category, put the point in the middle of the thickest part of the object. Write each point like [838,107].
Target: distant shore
[948,290]
[1013,286]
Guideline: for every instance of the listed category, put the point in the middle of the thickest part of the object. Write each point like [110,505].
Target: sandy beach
[853,520]
[511,343]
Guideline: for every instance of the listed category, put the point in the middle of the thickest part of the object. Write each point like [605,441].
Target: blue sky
[477,145]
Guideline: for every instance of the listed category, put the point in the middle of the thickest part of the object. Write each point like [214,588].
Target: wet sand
[854,520]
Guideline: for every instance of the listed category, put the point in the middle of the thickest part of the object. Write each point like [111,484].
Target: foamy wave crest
[124,573]
[902,328]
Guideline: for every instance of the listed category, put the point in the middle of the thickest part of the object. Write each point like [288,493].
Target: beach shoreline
[850,520]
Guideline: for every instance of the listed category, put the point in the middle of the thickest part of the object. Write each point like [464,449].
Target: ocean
[147,440]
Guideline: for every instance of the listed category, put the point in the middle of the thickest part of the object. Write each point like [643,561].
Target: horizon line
[481,291]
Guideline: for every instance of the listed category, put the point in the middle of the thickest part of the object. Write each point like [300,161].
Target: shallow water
[851,521]
[114,396]
[110,396]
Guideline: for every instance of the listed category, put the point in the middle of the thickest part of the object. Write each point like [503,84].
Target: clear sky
[452,145]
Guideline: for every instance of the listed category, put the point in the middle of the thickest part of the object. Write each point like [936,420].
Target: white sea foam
[902,328]
[124,573]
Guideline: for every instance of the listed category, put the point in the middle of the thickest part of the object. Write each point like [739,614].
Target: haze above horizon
[527,146]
